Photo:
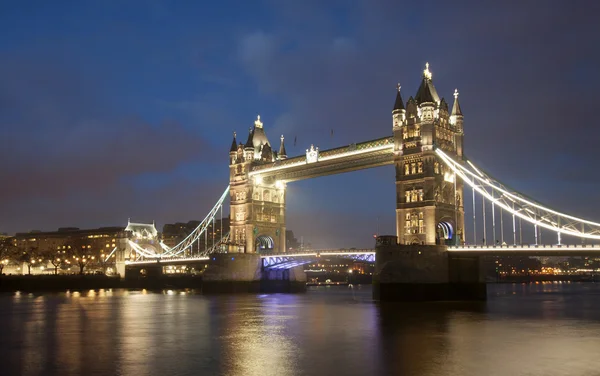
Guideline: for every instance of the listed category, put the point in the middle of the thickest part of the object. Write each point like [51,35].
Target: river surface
[539,329]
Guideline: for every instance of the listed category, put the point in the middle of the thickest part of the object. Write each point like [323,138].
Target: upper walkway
[352,157]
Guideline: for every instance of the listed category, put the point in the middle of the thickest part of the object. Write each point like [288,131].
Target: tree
[58,259]
[79,253]
[29,255]
[7,250]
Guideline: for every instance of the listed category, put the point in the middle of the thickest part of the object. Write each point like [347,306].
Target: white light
[280,185]
[485,182]
[258,179]
[449,177]
[302,162]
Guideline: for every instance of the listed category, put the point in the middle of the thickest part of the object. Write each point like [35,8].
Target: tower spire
[456,111]
[249,143]
[426,72]
[257,122]
[427,92]
[398,104]
[282,153]
[233,148]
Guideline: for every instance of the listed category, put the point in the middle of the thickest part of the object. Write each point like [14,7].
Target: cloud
[67,152]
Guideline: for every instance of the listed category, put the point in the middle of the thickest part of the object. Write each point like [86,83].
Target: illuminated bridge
[437,186]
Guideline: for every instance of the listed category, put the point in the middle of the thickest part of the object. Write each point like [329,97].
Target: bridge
[432,177]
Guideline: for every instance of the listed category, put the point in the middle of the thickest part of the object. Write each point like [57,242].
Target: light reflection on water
[538,329]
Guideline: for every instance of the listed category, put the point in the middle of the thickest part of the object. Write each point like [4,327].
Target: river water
[539,329]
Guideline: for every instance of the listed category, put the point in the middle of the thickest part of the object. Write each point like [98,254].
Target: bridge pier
[243,273]
[424,273]
[232,273]
[284,280]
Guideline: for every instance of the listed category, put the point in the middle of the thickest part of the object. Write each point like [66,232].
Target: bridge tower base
[243,273]
[424,273]
[232,273]
[291,280]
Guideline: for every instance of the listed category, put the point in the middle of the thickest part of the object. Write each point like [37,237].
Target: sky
[112,110]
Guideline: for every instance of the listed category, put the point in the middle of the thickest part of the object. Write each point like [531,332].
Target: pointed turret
[456,117]
[282,153]
[249,147]
[398,113]
[266,153]
[233,148]
[427,92]
[398,104]
[249,143]
[259,136]
[456,111]
[411,107]
[443,104]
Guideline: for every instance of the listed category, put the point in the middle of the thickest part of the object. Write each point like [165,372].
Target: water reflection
[539,329]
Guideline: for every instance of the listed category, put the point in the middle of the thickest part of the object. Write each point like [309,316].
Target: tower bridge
[431,253]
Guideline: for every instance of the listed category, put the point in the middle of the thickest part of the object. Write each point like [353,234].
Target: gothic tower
[257,205]
[429,199]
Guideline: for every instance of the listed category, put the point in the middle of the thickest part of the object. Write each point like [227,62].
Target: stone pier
[232,273]
[243,272]
[424,273]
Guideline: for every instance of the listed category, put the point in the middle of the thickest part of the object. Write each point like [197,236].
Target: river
[539,329]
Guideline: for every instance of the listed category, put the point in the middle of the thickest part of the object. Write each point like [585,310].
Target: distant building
[96,244]
[101,239]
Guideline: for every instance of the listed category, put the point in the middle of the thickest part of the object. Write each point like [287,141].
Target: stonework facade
[429,201]
[257,205]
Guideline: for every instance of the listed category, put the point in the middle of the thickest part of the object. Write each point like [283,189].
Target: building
[257,207]
[54,251]
[101,239]
[428,196]
[73,250]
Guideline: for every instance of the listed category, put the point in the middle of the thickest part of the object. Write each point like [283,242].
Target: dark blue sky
[117,109]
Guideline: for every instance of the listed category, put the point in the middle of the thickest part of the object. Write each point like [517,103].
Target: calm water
[543,329]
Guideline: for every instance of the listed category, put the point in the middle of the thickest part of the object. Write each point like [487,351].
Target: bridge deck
[528,250]
[353,157]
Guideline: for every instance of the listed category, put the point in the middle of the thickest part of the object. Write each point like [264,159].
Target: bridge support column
[424,273]
[284,280]
[121,255]
[232,273]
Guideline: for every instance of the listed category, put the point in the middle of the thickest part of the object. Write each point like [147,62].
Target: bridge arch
[264,243]
[445,233]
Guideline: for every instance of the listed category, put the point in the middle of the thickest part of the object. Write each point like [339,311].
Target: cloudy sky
[118,109]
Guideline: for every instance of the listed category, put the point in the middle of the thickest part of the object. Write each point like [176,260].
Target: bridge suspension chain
[193,239]
[518,205]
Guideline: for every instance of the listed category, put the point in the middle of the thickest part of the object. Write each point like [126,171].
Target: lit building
[429,198]
[96,245]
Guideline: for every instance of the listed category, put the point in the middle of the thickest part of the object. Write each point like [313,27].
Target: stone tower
[257,205]
[429,200]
